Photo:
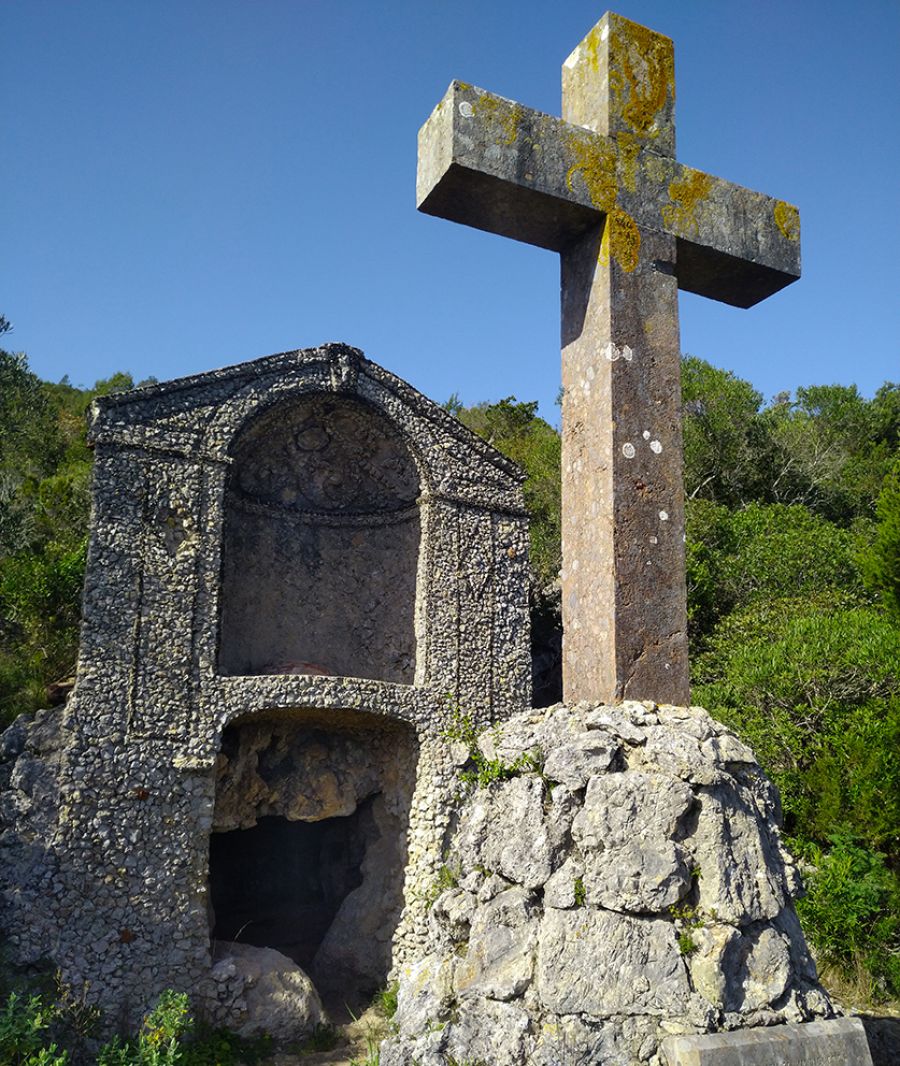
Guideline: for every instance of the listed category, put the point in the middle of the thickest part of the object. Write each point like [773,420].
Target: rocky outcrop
[618,876]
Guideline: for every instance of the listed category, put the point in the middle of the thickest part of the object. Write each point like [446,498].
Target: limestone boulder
[742,876]
[600,963]
[272,995]
[504,831]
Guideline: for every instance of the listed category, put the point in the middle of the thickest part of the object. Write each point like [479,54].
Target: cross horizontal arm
[498,166]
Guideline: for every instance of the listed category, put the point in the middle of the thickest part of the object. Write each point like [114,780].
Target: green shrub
[24,1033]
[882,562]
[159,1041]
[814,688]
[851,912]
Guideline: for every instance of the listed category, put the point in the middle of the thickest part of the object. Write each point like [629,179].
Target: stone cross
[632,226]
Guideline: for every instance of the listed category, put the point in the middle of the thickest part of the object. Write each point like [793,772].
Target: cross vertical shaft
[632,225]
[623,583]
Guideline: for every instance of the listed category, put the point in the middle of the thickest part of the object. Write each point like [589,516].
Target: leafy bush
[882,563]
[852,910]
[24,1033]
[814,687]
[763,552]
[159,1041]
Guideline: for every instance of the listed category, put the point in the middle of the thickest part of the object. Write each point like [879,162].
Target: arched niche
[308,847]
[320,544]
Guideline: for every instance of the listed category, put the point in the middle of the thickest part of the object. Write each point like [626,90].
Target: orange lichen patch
[687,196]
[595,162]
[628,152]
[507,115]
[787,219]
[621,241]
[641,75]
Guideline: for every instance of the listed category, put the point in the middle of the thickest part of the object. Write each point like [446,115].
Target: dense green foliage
[45,467]
[793,566]
[882,564]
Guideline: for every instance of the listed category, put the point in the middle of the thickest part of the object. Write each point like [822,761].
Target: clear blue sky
[191,183]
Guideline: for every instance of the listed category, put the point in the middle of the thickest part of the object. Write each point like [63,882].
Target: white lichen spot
[664,516]
[655,447]
[646,434]
[654,540]
[628,450]
[612,352]
[604,33]
[466,109]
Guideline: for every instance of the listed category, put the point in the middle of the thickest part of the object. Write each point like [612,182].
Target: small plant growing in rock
[446,878]
[386,1000]
[687,919]
[483,771]
[579,891]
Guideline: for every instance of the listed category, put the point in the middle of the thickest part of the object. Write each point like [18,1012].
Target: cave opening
[308,849]
[280,883]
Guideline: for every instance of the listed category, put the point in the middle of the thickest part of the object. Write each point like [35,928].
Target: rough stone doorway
[308,849]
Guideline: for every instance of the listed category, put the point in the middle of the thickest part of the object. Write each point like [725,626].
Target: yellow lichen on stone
[624,239]
[654,167]
[621,240]
[591,45]
[628,152]
[642,74]
[787,219]
[595,161]
[507,115]
[687,196]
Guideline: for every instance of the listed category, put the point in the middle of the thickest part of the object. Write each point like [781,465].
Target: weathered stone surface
[601,963]
[276,997]
[741,867]
[836,1042]
[625,832]
[505,832]
[587,981]
[574,1041]
[574,763]
[499,962]
[740,972]
[632,225]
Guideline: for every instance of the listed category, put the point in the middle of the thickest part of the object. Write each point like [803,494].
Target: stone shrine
[298,568]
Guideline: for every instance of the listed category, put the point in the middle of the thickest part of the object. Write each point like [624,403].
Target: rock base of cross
[616,891]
